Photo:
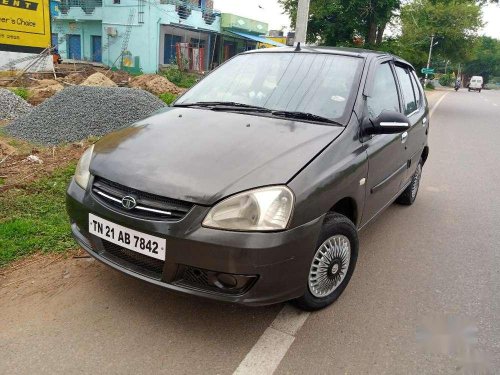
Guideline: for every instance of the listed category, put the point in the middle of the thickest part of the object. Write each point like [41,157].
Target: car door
[413,108]
[385,152]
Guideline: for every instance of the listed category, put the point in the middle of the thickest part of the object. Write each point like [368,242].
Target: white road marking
[267,353]
[437,104]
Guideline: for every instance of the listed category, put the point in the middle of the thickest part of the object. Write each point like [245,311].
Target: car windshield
[317,84]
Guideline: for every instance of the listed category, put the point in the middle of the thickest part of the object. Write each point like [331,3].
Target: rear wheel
[409,195]
[333,263]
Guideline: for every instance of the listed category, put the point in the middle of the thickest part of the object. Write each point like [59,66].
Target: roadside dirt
[44,275]
[16,170]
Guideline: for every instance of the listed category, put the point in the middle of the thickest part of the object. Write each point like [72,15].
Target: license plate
[128,238]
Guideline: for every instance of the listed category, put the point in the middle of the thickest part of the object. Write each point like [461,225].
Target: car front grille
[149,266]
[149,206]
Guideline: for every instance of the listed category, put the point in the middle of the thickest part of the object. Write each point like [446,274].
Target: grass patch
[429,86]
[167,97]
[22,92]
[34,218]
[180,78]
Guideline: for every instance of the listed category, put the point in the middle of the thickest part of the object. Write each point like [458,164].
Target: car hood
[201,156]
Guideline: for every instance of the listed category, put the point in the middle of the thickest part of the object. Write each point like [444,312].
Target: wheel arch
[348,207]
[425,154]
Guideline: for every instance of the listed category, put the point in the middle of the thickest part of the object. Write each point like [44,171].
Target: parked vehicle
[252,186]
[476,84]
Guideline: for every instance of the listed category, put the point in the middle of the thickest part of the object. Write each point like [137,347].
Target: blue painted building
[137,34]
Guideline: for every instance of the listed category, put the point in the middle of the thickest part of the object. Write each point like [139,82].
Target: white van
[476,83]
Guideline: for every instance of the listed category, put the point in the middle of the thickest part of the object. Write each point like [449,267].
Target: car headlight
[263,209]
[82,173]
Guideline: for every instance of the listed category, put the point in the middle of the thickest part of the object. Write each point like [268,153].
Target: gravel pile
[79,112]
[12,106]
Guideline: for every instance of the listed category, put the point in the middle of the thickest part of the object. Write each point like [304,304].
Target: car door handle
[404,137]
[424,121]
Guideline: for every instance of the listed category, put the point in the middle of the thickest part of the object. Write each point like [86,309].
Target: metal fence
[184,8]
[88,6]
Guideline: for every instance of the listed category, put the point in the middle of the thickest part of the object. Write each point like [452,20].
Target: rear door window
[417,88]
[385,93]
[409,99]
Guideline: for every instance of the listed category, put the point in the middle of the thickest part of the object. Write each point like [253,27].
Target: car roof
[345,51]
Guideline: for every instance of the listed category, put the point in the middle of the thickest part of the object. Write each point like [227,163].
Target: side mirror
[388,122]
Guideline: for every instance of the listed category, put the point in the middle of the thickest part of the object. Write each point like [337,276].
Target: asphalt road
[424,297]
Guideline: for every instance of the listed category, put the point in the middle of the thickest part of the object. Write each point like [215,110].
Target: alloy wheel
[329,266]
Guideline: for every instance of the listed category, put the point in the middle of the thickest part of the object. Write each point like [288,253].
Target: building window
[116,1]
[201,3]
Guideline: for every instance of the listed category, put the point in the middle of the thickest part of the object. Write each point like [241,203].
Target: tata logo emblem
[129,202]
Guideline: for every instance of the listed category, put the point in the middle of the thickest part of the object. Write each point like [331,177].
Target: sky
[271,12]
[268,11]
[491,16]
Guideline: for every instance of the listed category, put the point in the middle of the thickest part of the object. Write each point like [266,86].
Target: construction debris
[155,84]
[79,112]
[44,89]
[34,159]
[74,78]
[12,106]
[98,79]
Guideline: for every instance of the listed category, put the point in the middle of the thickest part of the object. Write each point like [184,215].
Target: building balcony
[80,10]
[198,13]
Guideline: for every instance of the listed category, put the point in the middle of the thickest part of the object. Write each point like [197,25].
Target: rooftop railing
[88,6]
[184,8]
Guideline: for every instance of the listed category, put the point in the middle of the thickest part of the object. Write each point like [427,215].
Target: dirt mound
[45,88]
[155,84]
[98,79]
[74,78]
[119,76]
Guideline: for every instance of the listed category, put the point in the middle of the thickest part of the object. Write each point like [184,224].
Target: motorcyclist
[457,84]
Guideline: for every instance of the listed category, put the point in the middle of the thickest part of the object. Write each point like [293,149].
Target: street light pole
[301,23]
[429,59]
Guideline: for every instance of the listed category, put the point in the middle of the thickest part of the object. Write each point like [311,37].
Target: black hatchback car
[252,186]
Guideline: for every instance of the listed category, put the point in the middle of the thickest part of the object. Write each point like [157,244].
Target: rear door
[386,152]
[415,109]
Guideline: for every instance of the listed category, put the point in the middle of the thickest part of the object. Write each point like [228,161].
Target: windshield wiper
[304,116]
[224,105]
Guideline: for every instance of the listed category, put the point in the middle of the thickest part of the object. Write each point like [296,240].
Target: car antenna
[297,49]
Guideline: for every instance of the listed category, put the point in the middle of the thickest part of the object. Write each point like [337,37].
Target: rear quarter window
[409,98]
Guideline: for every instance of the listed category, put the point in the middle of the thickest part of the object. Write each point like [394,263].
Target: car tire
[480,91]
[468,89]
[409,195]
[337,253]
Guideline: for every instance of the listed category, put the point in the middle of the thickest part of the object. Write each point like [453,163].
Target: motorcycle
[457,86]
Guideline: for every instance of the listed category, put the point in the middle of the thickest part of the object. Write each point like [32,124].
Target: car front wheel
[332,264]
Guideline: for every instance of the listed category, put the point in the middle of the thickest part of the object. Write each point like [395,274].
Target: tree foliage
[340,22]
[486,59]
[454,25]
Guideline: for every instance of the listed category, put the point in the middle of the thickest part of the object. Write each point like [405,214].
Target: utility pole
[301,23]
[429,59]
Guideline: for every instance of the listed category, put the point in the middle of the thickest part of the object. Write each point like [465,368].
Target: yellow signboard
[24,25]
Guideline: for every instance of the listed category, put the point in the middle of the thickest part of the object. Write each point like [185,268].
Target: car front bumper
[270,267]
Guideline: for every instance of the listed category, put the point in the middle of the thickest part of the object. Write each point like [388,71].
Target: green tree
[454,23]
[339,22]
[486,59]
